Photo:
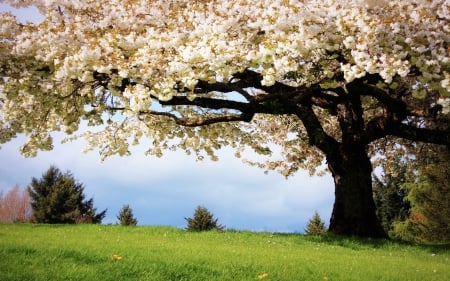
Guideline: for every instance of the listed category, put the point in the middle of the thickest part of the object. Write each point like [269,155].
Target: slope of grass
[85,252]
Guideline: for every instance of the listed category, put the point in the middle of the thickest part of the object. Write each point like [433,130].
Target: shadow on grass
[77,257]
[359,243]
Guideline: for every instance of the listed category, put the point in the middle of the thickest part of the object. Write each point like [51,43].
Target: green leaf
[393,86]
[419,93]
[329,84]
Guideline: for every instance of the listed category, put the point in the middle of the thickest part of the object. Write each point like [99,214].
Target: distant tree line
[55,198]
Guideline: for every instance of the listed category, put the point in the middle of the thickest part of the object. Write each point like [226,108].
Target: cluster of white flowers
[163,44]
[8,26]
[445,103]
[138,96]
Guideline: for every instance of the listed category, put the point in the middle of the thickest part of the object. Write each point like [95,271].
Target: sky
[163,191]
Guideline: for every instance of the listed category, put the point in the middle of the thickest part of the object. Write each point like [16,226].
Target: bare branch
[317,135]
[391,103]
[249,78]
[192,122]
[414,133]
[206,87]
[210,103]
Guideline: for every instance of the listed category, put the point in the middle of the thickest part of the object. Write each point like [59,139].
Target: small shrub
[203,220]
[315,225]
[126,216]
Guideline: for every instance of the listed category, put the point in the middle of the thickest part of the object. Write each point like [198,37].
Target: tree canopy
[324,79]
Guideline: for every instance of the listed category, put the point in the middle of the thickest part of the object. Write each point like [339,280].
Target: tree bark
[354,210]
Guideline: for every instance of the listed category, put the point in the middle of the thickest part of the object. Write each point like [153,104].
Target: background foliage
[15,205]
[429,196]
[413,195]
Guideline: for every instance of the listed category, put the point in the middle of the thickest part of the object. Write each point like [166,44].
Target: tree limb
[414,133]
[210,103]
[317,135]
[192,122]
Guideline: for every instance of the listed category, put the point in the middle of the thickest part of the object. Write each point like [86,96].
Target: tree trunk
[354,208]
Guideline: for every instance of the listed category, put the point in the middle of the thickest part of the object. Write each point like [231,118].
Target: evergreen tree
[315,225]
[58,198]
[126,216]
[90,214]
[203,220]
[429,195]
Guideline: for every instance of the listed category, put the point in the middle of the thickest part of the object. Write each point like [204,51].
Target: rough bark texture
[354,208]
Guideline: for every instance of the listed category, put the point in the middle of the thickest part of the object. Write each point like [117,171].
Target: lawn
[110,252]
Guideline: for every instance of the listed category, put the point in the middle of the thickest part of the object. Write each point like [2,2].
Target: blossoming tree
[333,80]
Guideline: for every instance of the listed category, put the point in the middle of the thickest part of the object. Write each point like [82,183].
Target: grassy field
[99,252]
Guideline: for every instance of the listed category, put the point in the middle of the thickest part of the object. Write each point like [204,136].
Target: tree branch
[382,126]
[204,87]
[210,103]
[392,104]
[191,122]
[252,79]
[377,128]
[317,135]
[413,133]
[325,101]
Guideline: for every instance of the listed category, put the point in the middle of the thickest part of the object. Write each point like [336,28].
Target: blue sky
[162,191]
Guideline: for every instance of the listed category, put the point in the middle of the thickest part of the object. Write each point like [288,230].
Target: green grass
[84,252]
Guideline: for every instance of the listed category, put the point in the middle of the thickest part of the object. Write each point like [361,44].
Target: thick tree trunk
[354,208]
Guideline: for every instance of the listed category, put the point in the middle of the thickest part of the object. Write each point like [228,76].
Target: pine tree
[89,214]
[429,195]
[58,198]
[315,225]
[203,220]
[126,216]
